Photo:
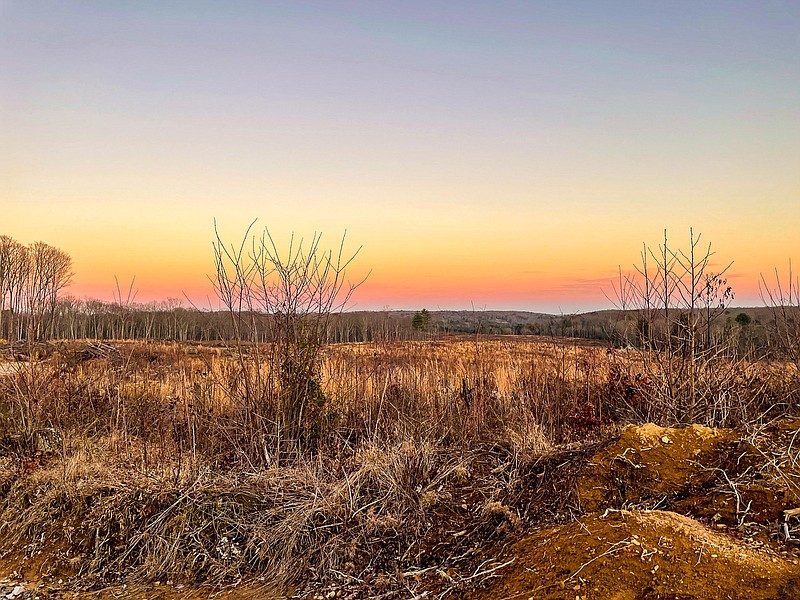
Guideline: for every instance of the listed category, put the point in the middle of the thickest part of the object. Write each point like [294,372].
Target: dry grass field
[439,468]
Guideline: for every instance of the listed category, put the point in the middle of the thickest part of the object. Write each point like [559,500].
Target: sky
[492,155]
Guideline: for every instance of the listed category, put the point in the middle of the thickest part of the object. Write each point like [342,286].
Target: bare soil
[730,495]
[638,555]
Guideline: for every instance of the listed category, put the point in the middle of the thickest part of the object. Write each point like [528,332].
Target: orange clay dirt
[642,555]
[727,493]
[649,460]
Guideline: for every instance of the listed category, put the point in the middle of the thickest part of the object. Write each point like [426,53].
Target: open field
[483,466]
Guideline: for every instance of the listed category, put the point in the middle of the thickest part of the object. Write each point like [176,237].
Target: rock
[17,591]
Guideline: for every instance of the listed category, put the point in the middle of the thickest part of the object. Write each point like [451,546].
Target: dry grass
[168,467]
[372,516]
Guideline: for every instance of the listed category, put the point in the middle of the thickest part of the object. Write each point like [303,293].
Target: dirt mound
[643,555]
[729,475]
[735,483]
[649,461]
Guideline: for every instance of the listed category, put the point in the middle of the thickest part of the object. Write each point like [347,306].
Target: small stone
[665,440]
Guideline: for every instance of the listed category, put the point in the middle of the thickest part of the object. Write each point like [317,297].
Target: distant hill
[469,321]
[598,325]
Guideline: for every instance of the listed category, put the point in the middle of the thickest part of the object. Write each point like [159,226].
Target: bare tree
[6,252]
[49,272]
[783,300]
[14,268]
[676,298]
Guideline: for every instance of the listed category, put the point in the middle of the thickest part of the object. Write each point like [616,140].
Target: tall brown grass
[189,402]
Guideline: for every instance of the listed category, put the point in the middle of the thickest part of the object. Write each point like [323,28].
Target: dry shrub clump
[368,518]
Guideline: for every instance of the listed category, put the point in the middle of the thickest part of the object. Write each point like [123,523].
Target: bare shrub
[677,368]
[783,300]
[280,304]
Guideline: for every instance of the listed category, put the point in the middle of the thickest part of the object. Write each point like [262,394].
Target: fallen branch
[614,548]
